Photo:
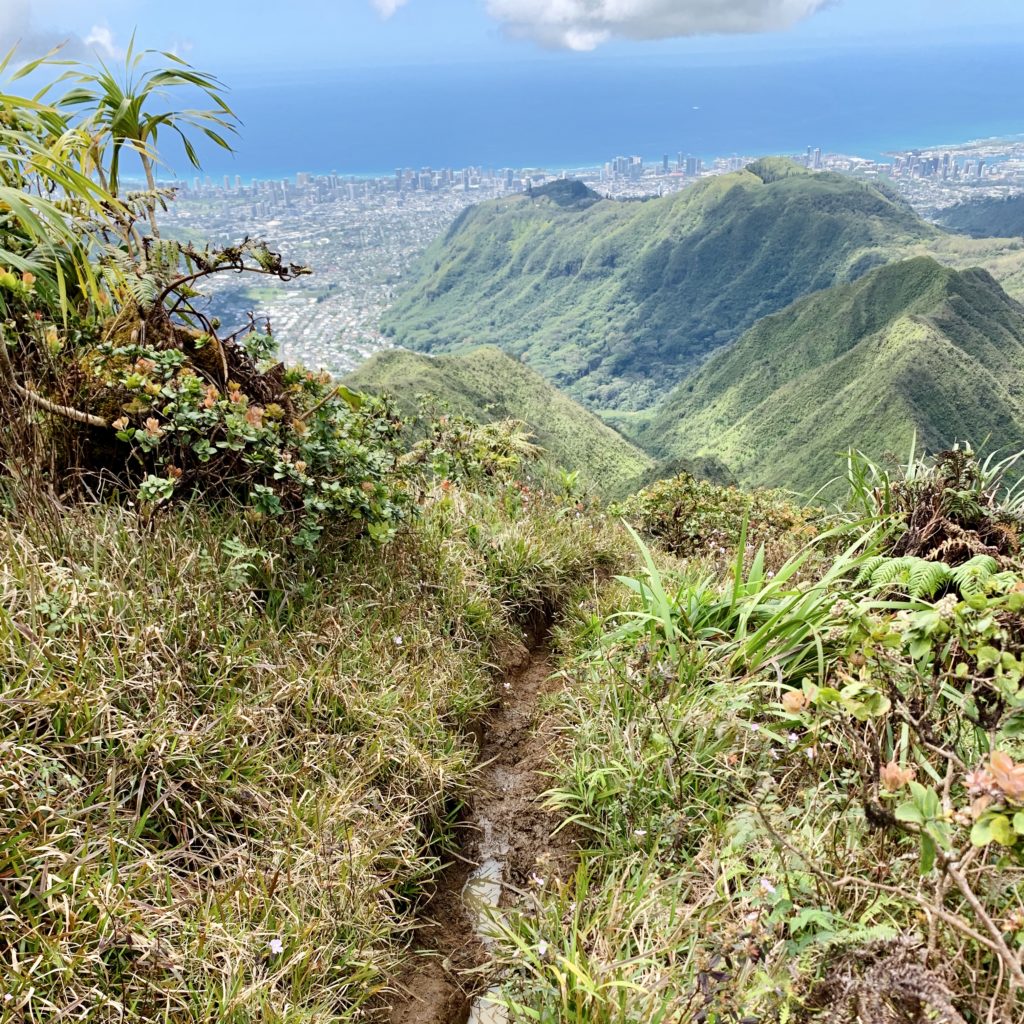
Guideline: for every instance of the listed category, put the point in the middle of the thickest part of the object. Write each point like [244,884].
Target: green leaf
[993,828]
[353,399]
[988,657]
[1018,823]
[909,812]
[926,799]
[928,854]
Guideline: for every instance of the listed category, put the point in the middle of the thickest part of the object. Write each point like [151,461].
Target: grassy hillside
[485,384]
[615,302]
[1003,258]
[229,777]
[913,346]
[777,776]
[272,733]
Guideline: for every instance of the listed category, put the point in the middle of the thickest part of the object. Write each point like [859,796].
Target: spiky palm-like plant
[119,112]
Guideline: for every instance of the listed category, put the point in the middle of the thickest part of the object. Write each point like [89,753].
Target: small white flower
[8,997]
[811,753]
[399,641]
[536,880]
[767,886]
[640,832]
[542,948]
[793,738]
[754,727]
[508,686]
[276,946]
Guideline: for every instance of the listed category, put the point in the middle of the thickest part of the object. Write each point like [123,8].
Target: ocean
[564,113]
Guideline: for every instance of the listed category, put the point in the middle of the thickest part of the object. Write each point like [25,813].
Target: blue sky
[242,38]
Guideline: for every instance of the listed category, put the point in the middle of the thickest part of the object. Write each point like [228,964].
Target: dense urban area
[360,236]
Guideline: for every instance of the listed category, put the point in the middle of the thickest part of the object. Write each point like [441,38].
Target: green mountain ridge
[484,384]
[911,347]
[616,302]
[988,217]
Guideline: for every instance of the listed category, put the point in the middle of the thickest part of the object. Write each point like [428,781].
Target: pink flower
[894,777]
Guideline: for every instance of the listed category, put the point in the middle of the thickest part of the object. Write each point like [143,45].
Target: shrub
[949,507]
[690,517]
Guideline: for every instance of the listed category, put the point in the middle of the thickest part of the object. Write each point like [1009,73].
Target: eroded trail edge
[508,847]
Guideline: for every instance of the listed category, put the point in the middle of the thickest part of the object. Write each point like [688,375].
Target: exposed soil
[508,839]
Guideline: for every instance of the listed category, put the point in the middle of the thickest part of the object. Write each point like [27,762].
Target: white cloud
[388,7]
[19,28]
[101,39]
[586,24]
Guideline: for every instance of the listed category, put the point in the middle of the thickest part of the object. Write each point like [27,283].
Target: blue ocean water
[564,113]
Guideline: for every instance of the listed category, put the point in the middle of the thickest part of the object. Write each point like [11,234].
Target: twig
[44,403]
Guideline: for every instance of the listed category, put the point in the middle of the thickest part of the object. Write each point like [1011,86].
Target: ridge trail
[508,846]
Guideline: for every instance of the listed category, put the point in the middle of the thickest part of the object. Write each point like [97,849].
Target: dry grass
[227,777]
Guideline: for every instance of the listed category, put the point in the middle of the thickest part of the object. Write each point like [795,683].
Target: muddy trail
[507,840]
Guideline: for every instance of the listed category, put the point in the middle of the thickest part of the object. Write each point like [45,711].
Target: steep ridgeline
[913,346]
[616,301]
[485,384]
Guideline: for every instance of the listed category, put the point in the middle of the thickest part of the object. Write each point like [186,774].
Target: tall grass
[228,775]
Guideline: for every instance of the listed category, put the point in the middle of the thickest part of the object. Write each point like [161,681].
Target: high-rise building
[817,159]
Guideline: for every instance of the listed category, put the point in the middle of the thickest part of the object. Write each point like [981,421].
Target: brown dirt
[505,821]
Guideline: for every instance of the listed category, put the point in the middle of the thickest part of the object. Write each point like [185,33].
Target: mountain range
[911,348]
[617,301]
[753,326]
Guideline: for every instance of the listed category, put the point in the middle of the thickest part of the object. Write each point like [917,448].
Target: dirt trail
[508,838]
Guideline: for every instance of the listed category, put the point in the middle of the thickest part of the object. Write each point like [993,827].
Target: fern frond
[919,577]
[926,579]
[868,569]
[972,578]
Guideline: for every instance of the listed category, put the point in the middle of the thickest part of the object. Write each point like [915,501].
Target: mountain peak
[774,168]
[569,193]
[617,301]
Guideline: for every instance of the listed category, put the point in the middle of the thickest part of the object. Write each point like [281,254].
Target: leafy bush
[113,378]
[688,516]
[950,507]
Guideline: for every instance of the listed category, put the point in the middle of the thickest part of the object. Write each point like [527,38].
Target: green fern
[973,578]
[921,578]
[857,934]
[917,576]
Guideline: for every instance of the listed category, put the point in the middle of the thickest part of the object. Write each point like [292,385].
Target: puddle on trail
[481,896]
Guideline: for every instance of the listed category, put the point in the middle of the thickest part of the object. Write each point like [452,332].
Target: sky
[258,37]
